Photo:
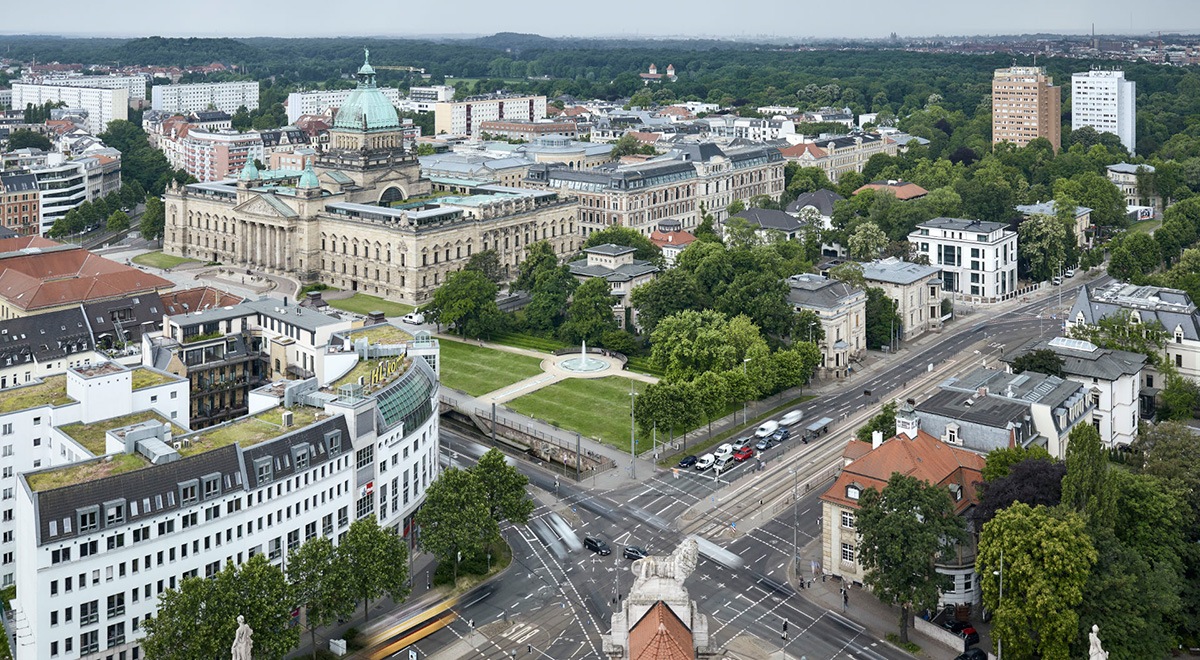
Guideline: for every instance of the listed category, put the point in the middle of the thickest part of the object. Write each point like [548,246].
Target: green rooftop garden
[361,303]
[143,378]
[385,333]
[83,472]
[51,391]
[249,431]
[92,436]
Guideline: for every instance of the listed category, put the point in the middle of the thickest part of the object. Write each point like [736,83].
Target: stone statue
[242,643]
[677,566]
[1095,651]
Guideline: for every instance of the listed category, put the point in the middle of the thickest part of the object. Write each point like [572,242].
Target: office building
[426,98]
[1026,105]
[196,97]
[102,105]
[977,258]
[465,117]
[1107,102]
[324,102]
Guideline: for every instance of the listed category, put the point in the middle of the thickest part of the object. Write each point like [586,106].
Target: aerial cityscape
[376,333]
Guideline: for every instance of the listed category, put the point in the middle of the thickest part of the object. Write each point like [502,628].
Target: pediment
[259,206]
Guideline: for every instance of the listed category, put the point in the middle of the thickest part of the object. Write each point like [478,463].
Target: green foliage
[884,422]
[118,221]
[867,241]
[1000,460]
[455,518]
[690,343]
[538,258]
[628,145]
[26,139]
[1088,486]
[902,530]
[502,488]
[590,313]
[1119,331]
[1043,242]
[1180,399]
[466,302]
[321,583]
[621,341]
[153,220]
[1048,558]
[884,324]
[626,237]
[488,263]
[806,326]
[1043,361]
[139,161]
[377,562]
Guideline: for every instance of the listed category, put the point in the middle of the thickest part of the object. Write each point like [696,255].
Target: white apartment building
[164,504]
[464,117]
[1107,102]
[320,102]
[226,96]
[45,423]
[103,105]
[217,155]
[917,290]
[842,309]
[1112,380]
[135,85]
[1125,177]
[425,99]
[977,258]
[66,183]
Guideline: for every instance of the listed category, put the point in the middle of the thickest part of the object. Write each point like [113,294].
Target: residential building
[38,275]
[6,96]
[917,290]
[20,203]
[912,452]
[672,240]
[216,155]
[770,224]
[202,499]
[1173,309]
[1026,105]
[196,97]
[977,258]
[1112,379]
[425,98]
[134,86]
[837,155]
[902,190]
[616,264]
[527,130]
[282,140]
[1107,102]
[671,187]
[324,102]
[829,115]
[1080,228]
[818,204]
[842,310]
[102,105]
[465,117]
[772,110]
[546,149]
[748,128]
[1125,177]
[988,409]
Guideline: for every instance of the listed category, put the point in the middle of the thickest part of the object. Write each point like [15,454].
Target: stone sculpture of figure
[242,643]
[1095,651]
[678,565]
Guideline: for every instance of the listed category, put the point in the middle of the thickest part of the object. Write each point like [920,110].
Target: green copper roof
[249,172]
[309,178]
[367,109]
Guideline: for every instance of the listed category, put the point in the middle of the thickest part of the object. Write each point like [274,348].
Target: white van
[704,462]
[724,451]
[768,427]
[413,318]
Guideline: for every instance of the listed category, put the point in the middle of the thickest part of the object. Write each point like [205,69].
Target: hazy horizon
[619,19]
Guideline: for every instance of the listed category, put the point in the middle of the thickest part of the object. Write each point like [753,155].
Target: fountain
[583,363]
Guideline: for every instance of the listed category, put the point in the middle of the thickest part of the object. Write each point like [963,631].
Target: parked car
[970,636]
[704,462]
[596,545]
[413,318]
[744,442]
[743,454]
[688,461]
[764,444]
[781,435]
[723,462]
[973,653]
[1056,280]
[768,427]
[956,626]
[1070,272]
[634,552]
[725,450]
[791,417]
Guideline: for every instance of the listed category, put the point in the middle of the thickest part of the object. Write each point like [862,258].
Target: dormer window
[1178,335]
[853,492]
[956,492]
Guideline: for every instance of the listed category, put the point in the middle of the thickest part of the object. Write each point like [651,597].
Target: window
[301,460]
[116,634]
[853,492]
[848,519]
[89,613]
[212,487]
[334,442]
[1179,359]
[293,540]
[848,552]
[187,494]
[89,642]
[365,456]
[116,541]
[343,517]
[7,429]
[116,605]
[114,514]
[263,470]
[364,507]
[88,521]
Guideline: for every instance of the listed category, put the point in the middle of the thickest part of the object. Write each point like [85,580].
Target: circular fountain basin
[584,365]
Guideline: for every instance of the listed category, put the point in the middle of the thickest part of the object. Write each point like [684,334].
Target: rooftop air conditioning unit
[287,419]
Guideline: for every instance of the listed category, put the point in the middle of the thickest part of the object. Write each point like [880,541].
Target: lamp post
[1000,574]
[795,515]
[744,419]
[632,452]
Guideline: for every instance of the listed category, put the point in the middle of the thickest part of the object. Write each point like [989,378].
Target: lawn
[249,431]
[1145,226]
[160,260]
[477,370]
[93,437]
[82,472]
[644,365]
[361,303]
[529,342]
[143,378]
[597,408]
[383,333]
[52,391]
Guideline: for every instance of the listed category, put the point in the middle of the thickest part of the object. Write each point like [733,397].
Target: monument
[242,642]
[1095,651]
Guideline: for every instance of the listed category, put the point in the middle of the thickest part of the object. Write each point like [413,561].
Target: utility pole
[632,452]
[999,645]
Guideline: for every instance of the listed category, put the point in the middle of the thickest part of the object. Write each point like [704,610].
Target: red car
[743,454]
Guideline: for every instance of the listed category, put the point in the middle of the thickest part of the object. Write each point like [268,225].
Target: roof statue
[366,108]
[242,642]
[1095,651]
[676,566]
[249,171]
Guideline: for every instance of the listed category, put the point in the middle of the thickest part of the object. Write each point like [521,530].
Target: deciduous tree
[1033,481]
[321,584]
[590,313]
[1043,361]
[503,488]
[488,263]
[999,461]
[153,221]
[454,518]
[467,303]
[377,562]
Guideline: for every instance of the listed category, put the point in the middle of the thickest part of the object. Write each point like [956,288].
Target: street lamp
[744,419]
[795,517]
[632,452]
[1000,574]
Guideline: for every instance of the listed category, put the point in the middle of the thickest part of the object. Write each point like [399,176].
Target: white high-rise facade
[318,101]
[1107,102]
[135,85]
[226,97]
[103,105]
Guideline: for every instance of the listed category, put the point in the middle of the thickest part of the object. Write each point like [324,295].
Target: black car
[956,626]
[973,654]
[634,552]
[687,462]
[596,545]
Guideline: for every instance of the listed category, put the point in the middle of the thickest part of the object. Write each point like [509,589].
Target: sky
[698,18]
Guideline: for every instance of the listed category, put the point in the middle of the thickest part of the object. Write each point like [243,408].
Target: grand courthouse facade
[342,221]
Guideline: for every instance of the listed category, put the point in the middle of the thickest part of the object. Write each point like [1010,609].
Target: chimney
[907,422]
[876,439]
[981,392]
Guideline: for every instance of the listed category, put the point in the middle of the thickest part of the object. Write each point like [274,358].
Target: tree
[884,422]
[321,583]
[883,323]
[626,237]
[1048,557]
[455,519]
[806,326]
[735,207]
[1119,331]
[902,531]
[73,222]
[503,488]
[590,313]
[621,341]
[26,139]
[1042,246]
[153,221]
[1033,481]
[1180,398]
[466,302]
[377,562]
[628,145]
[197,620]
[550,293]
[538,257]
[999,461]
[1088,486]
[118,221]
[488,263]
[712,396]
[795,366]
[867,241]
[1043,361]
[850,272]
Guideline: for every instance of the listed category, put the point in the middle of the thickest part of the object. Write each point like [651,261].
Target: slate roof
[990,411]
[771,219]
[199,298]
[1129,168]
[822,200]
[810,290]
[1172,308]
[896,271]
[1030,386]
[44,337]
[622,273]
[140,313]
[13,182]
[1084,359]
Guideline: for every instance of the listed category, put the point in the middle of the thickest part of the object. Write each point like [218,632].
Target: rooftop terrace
[143,378]
[52,391]
[385,369]
[249,431]
[92,436]
[384,333]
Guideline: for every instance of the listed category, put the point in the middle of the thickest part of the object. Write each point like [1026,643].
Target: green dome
[249,171]
[309,178]
[367,109]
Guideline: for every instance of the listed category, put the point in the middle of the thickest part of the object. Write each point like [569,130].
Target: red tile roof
[660,635]
[903,190]
[645,138]
[800,150]
[924,457]
[40,279]
[203,297]
[665,238]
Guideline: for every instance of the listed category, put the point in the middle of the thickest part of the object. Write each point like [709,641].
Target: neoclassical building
[362,218]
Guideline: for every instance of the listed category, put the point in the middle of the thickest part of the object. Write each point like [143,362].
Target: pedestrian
[845,600]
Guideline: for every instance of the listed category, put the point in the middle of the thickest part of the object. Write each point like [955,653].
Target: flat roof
[249,431]
[52,391]
[92,436]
